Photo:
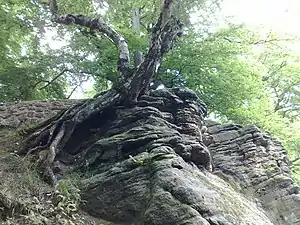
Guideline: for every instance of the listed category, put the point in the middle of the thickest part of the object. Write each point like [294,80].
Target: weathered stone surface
[164,189]
[258,166]
[148,165]
[28,113]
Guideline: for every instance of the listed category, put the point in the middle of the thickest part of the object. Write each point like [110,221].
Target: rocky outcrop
[152,165]
[257,166]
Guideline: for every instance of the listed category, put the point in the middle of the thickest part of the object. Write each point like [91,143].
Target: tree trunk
[136,17]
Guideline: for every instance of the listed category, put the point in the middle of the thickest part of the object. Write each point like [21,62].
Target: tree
[83,55]
[215,68]
[22,78]
[272,100]
[54,135]
[29,69]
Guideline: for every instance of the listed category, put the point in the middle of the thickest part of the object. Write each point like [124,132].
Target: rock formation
[150,164]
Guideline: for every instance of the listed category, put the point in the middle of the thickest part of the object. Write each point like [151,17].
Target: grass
[26,199]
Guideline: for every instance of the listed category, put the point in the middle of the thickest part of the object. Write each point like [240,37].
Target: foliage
[31,201]
[21,77]
[30,69]
[274,105]
[67,196]
[214,69]
[243,78]
[282,78]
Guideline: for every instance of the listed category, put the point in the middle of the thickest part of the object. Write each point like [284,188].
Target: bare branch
[264,41]
[73,90]
[295,160]
[54,79]
[272,40]
[79,82]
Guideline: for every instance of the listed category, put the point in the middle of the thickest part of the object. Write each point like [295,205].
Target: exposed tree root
[53,135]
[104,129]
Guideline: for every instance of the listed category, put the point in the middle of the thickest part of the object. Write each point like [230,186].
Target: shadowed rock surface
[152,165]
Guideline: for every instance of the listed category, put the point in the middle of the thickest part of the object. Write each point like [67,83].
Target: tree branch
[264,41]
[73,90]
[295,160]
[99,25]
[54,79]
[165,31]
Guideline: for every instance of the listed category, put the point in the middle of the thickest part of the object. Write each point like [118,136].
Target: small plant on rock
[67,197]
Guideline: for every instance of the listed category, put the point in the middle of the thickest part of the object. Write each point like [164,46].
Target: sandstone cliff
[151,167]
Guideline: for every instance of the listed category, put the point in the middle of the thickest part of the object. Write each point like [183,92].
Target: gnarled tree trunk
[78,127]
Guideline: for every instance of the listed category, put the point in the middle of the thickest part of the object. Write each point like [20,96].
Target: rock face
[257,165]
[152,165]
[28,113]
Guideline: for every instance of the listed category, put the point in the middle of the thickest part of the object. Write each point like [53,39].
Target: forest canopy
[243,75]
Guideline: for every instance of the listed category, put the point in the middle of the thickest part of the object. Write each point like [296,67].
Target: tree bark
[136,17]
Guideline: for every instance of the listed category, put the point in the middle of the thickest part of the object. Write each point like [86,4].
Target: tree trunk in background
[136,23]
